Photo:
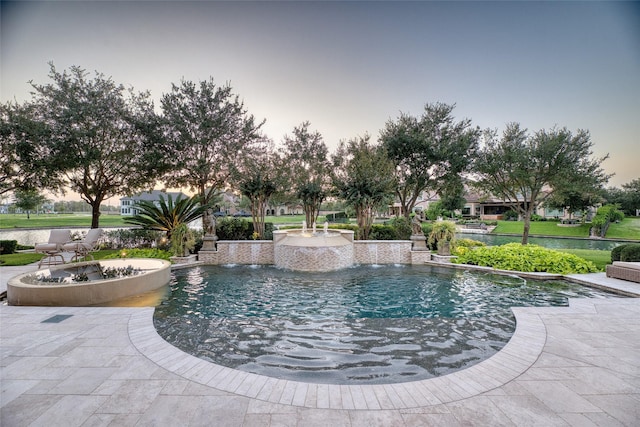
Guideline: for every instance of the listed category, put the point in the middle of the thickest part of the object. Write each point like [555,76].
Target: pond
[547,242]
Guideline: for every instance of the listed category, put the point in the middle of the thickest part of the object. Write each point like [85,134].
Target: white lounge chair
[54,247]
[83,248]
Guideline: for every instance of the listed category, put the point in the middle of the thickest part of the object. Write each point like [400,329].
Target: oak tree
[97,134]
[526,170]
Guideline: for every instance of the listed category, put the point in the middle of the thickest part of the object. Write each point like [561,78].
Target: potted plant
[182,242]
[443,234]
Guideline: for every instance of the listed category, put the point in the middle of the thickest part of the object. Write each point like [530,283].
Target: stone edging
[522,350]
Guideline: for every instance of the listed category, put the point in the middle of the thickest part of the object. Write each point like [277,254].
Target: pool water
[362,325]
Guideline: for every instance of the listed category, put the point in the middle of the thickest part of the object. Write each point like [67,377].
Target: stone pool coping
[518,355]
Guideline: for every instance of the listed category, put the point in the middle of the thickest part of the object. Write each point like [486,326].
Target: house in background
[127,204]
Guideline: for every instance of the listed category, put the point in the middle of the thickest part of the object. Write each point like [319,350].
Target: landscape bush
[469,243]
[510,215]
[132,238]
[615,252]
[8,246]
[525,258]
[403,228]
[337,217]
[231,228]
[442,236]
[630,253]
[382,232]
[141,253]
[605,215]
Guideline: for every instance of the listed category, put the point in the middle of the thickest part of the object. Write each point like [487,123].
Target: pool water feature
[361,325]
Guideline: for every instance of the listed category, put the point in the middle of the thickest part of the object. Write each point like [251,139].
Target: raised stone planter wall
[155,274]
[251,252]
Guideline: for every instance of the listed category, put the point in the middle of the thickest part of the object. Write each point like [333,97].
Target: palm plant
[443,234]
[167,215]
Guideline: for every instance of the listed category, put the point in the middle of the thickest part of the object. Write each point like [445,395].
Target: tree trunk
[310,213]
[527,226]
[95,214]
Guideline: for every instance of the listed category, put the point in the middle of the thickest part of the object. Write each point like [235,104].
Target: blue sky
[348,67]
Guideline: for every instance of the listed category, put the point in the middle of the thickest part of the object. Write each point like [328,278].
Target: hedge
[8,246]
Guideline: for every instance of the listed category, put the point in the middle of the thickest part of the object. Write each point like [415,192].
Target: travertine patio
[578,365]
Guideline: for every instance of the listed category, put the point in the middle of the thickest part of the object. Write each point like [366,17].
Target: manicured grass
[103,253]
[61,220]
[628,228]
[26,258]
[599,258]
[542,228]
[84,220]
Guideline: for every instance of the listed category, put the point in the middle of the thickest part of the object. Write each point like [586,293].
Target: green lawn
[84,220]
[60,220]
[542,228]
[629,228]
[22,258]
[599,258]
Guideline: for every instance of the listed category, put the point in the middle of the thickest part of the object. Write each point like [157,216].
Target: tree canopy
[429,152]
[29,199]
[206,130]
[258,180]
[306,160]
[526,170]
[24,152]
[363,177]
[95,136]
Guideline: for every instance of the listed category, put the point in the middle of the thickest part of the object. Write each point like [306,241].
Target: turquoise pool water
[362,325]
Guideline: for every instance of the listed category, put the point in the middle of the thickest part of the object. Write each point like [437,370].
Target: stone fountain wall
[262,252]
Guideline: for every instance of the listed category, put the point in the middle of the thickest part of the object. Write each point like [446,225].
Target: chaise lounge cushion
[632,265]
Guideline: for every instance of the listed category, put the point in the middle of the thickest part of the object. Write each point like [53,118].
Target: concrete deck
[577,366]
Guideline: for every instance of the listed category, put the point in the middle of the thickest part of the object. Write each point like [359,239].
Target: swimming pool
[361,325]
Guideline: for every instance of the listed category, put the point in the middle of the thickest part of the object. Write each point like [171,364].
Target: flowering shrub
[526,258]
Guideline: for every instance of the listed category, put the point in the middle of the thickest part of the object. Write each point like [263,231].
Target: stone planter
[184,259]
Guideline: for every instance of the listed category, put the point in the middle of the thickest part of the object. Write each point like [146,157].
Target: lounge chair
[53,248]
[83,248]
[624,270]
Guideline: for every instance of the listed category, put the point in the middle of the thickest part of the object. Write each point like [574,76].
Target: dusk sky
[349,67]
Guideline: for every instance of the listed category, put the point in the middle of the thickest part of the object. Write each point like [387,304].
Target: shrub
[132,238]
[605,216]
[526,258]
[469,243]
[8,246]
[630,253]
[382,232]
[402,228]
[231,228]
[140,253]
[443,234]
[268,231]
[510,215]
[615,252]
[337,217]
